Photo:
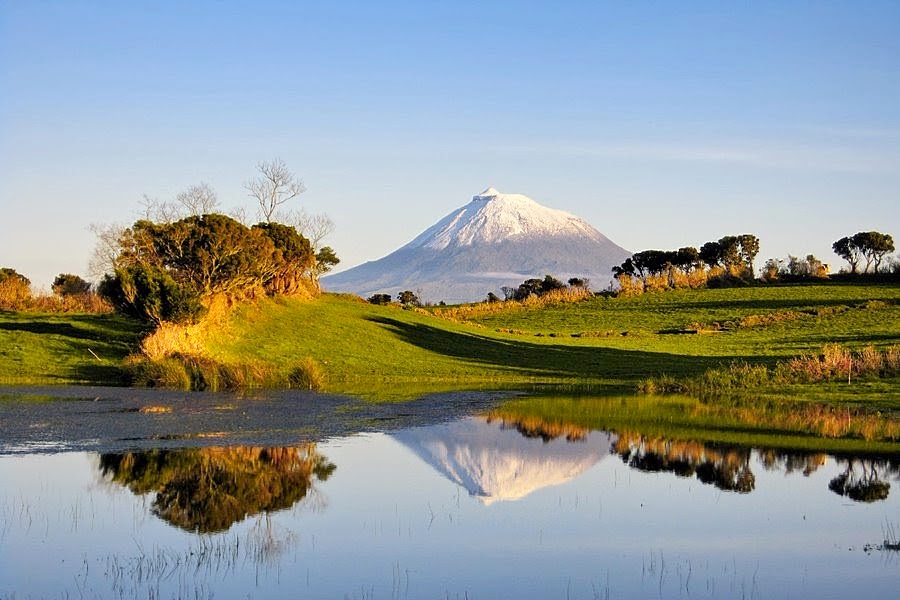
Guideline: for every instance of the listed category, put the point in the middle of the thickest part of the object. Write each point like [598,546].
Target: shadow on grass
[550,360]
[101,328]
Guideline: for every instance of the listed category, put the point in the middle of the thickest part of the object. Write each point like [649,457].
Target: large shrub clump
[166,271]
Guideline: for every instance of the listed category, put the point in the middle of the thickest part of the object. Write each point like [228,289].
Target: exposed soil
[102,419]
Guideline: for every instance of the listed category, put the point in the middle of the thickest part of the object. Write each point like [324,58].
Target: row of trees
[869,246]
[731,256]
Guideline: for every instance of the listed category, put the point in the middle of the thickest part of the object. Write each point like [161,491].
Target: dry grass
[837,362]
[464,312]
[16,295]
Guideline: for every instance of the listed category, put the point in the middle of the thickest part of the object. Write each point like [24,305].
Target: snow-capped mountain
[495,240]
[493,462]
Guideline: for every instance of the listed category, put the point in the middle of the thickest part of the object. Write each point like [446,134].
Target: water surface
[433,499]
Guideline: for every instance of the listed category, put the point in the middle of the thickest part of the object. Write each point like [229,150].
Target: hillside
[609,344]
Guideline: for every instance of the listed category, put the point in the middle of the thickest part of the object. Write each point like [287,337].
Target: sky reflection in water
[476,507]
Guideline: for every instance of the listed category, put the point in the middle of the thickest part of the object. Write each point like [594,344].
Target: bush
[67,284]
[15,290]
[151,295]
[308,375]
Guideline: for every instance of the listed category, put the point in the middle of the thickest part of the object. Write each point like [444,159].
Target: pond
[141,494]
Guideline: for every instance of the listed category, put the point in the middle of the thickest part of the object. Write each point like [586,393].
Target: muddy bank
[102,419]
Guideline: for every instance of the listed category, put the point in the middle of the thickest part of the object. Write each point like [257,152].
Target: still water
[409,502]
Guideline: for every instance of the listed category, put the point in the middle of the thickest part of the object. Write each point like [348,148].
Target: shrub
[15,289]
[67,284]
[308,375]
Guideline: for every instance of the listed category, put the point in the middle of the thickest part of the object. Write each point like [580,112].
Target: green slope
[602,342]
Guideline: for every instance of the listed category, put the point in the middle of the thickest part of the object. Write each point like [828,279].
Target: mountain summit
[493,241]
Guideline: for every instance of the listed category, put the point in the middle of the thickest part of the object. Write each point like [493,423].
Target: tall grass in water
[200,373]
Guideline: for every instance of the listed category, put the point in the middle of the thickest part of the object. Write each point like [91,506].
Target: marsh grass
[201,373]
[834,363]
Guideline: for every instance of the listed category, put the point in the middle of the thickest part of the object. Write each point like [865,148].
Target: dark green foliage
[626,268]
[165,270]
[294,259]
[379,299]
[874,246]
[326,260]
[711,254]
[687,258]
[871,246]
[407,297]
[492,297]
[67,284]
[150,294]
[537,287]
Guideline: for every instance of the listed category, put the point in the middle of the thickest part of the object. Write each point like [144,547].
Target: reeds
[202,373]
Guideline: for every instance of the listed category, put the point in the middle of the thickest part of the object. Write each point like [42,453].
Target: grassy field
[604,344]
[65,348]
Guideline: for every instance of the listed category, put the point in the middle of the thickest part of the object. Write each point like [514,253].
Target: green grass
[361,345]
[38,348]
[390,352]
[681,418]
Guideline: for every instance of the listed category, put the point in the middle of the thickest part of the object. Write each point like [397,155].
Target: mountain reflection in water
[209,489]
[495,459]
[497,456]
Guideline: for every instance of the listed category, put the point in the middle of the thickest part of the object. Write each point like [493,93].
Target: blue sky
[664,124]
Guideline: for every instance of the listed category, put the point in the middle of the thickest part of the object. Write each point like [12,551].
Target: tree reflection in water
[208,489]
[726,468]
[863,485]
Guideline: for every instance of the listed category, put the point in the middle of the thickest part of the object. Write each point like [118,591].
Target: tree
[379,299]
[198,200]
[580,282]
[711,254]
[408,297]
[874,246]
[492,297]
[687,258]
[847,248]
[274,186]
[749,245]
[67,284]
[730,251]
[326,260]
[626,268]
[314,227]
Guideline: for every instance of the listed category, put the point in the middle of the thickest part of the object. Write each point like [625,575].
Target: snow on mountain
[493,217]
[493,241]
[495,463]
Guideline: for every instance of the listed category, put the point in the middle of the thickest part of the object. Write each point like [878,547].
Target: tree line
[729,260]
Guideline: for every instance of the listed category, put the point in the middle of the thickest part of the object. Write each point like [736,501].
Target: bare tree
[198,200]
[103,258]
[159,211]
[314,227]
[274,186]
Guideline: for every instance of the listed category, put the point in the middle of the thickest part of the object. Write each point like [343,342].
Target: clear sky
[664,124]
